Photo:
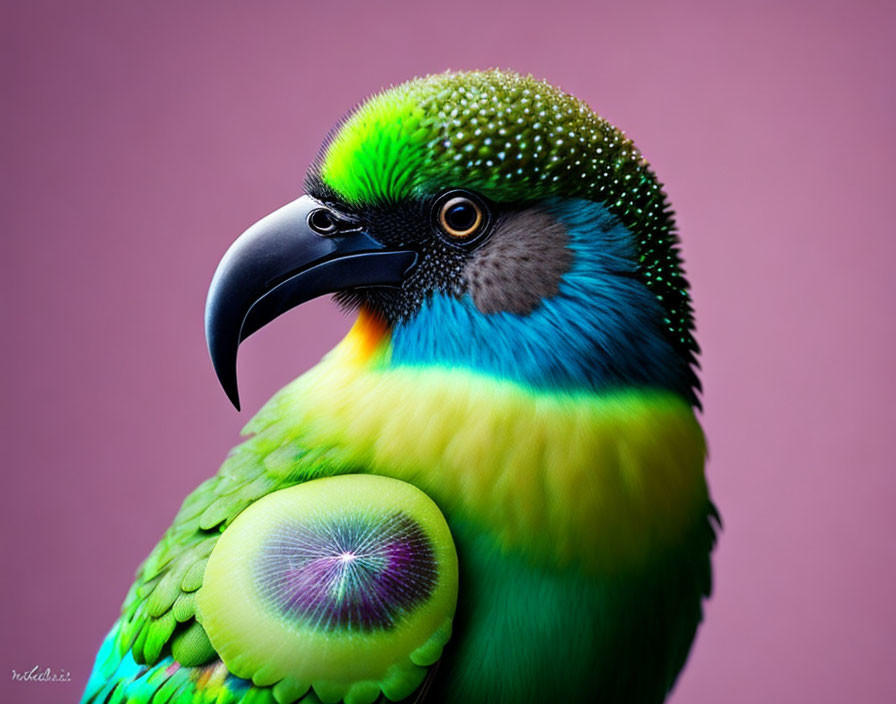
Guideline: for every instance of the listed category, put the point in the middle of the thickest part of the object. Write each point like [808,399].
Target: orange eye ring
[460,217]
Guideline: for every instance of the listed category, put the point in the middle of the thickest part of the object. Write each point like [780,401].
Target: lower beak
[279,263]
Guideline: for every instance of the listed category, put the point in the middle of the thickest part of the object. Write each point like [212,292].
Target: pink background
[139,138]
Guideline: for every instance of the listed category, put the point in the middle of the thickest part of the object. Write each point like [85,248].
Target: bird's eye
[322,221]
[460,216]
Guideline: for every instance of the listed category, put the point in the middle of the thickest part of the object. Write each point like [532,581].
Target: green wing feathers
[158,620]
[159,612]
[222,611]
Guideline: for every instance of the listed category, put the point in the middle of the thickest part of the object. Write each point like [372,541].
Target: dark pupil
[461,217]
[322,221]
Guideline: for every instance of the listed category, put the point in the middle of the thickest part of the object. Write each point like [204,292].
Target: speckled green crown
[511,138]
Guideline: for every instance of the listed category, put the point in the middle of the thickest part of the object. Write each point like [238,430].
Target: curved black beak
[279,263]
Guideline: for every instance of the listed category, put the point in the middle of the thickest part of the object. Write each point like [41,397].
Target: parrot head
[489,221]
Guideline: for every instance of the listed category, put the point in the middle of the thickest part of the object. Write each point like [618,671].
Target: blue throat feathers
[603,331]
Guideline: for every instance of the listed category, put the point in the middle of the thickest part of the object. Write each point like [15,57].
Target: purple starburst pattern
[352,572]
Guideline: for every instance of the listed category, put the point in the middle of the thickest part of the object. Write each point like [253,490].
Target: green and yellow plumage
[574,491]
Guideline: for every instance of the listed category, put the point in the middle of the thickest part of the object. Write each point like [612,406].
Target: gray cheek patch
[521,264]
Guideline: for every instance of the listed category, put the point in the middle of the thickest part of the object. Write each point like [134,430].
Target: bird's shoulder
[160,631]
[159,612]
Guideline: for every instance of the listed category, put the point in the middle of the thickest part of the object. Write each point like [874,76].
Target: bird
[493,489]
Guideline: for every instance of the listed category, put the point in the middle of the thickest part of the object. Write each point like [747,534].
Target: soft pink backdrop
[140,138]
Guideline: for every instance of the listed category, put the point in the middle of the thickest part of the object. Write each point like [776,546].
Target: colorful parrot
[492,490]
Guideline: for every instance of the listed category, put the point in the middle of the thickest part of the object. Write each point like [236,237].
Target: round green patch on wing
[347,584]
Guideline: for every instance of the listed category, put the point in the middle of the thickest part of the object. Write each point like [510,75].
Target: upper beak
[279,263]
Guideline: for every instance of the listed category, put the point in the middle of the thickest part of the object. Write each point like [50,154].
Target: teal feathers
[603,331]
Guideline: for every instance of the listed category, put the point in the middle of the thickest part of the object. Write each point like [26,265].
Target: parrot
[493,489]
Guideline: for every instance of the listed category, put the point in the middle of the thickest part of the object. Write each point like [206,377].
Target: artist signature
[36,674]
